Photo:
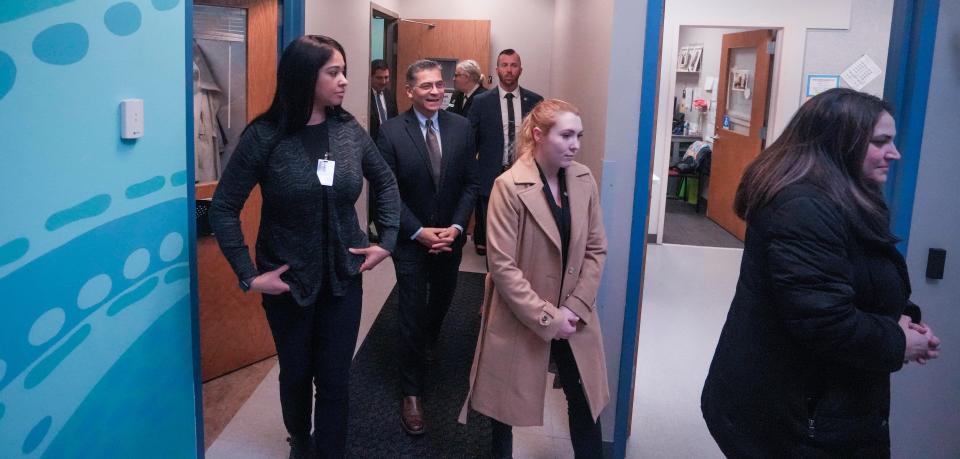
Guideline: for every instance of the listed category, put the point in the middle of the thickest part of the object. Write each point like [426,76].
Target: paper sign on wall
[861,73]
[820,83]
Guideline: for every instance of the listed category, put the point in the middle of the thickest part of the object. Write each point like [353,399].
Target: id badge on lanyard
[325,169]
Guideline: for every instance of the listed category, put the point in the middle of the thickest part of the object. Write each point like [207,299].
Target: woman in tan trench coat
[545,249]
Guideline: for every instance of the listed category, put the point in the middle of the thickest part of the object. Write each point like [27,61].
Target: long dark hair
[297,81]
[824,145]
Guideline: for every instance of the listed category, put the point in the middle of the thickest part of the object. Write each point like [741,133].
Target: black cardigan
[290,189]
[804,359]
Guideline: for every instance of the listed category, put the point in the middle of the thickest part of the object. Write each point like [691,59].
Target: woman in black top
[821,315]
[309,157]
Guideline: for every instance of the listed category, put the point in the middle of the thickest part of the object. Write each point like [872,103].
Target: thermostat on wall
[131,118]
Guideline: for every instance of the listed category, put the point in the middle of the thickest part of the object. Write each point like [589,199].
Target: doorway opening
[690,287]
[720,93]
[235,54]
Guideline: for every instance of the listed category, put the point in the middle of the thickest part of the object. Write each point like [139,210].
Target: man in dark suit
[431,152]
[383,103]
[383,106]
[466,81]
[495,117]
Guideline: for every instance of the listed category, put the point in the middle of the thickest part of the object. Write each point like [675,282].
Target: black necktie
[433,149]
[511,128]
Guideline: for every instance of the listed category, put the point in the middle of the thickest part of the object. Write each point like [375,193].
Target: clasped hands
[438,240]
[922,345]
[569,325]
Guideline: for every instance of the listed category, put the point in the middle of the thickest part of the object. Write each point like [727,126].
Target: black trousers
[585,434]
[315,347]
[480,222]
[426,284]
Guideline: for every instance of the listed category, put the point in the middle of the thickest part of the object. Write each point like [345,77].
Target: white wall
[617,185]
[830,52]
[526,26]
[924,420]
[581,63]
[794,18]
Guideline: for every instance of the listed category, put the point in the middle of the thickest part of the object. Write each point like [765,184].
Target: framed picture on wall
[683,59]
[694,54]
[740,80]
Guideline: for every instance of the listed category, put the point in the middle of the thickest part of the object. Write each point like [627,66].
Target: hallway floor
[242,423]
[687,293]
[686,297]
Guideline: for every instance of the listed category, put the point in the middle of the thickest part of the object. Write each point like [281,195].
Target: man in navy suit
[495,117]
[432,154]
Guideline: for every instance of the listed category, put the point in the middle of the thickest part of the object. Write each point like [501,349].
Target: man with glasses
[432,154]
[466,82]
[495,117]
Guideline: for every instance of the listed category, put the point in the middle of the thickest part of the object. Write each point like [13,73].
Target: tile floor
[686,296]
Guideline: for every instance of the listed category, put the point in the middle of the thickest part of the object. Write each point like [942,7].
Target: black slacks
[585,434]
[480,221]
[426,284]
[315,347]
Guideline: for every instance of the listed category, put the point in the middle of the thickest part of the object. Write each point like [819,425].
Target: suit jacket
[487,125]
[374,115]
[423,205]
[521,308]
[460,104]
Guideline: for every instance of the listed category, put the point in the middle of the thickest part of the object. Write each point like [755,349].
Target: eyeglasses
[428,86]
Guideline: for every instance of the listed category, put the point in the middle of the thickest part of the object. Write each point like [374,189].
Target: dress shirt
[517,119]
[383,103]
[422,121]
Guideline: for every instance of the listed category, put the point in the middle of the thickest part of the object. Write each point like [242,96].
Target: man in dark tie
[495,118]
[383,106]
[383,103]
[431,152]
[466,82]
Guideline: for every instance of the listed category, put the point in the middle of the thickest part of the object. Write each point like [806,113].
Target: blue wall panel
[96,341]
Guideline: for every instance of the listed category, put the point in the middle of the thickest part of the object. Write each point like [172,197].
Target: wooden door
[233,329]
[742,100]
[447,39]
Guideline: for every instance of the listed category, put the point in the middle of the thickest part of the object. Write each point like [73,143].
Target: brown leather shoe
[411,415]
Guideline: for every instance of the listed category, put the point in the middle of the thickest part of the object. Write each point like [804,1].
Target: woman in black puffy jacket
[821,315]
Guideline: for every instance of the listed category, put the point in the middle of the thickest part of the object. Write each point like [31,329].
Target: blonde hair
[544,115]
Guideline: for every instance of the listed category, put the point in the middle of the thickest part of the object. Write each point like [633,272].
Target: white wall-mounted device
[131,118]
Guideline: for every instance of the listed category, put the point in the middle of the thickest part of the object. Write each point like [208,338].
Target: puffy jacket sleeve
[807,255]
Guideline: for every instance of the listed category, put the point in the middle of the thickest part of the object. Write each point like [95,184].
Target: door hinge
[763,133]
[771,47]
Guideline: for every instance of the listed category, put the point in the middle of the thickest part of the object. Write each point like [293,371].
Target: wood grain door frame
[262,38]
[233,329]
[733,152]
[449,38]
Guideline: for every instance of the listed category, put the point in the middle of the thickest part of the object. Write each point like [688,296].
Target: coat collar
[524,172]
